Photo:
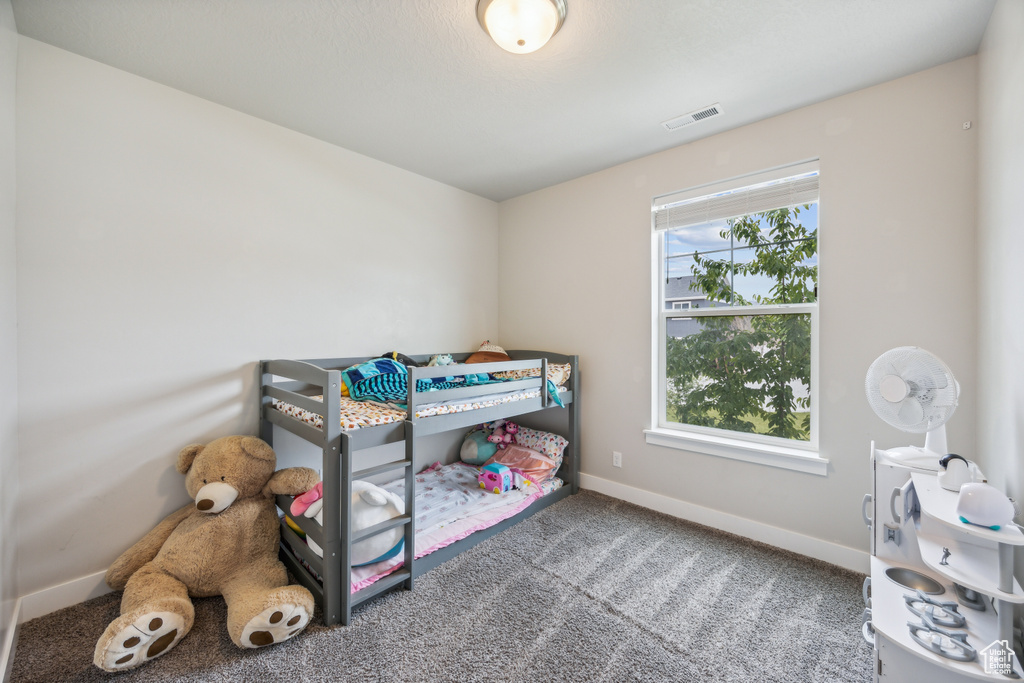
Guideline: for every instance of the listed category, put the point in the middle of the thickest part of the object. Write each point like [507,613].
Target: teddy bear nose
[215,497]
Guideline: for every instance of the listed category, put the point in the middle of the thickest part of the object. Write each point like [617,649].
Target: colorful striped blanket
[387,381]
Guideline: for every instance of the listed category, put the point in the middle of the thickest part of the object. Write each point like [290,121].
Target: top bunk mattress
[359,414]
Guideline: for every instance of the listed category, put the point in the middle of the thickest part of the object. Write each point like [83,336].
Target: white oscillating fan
[913,390]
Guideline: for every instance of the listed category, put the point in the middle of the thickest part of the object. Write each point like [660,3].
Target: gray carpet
[591,589]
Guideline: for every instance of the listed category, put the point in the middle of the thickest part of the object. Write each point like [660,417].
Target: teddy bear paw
[274,625]
[139,640]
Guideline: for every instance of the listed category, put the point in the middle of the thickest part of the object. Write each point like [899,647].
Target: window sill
[784,457]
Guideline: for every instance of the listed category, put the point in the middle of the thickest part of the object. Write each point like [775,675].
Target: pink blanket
[450,506]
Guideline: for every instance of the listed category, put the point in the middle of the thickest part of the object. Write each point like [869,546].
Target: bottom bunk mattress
[450,505]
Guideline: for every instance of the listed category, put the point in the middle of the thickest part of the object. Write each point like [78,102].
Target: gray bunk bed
[295,382]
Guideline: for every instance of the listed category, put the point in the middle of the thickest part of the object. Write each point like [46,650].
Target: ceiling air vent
[693,117]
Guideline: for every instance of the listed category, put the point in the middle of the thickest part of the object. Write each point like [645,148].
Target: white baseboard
[87,587]
[848,558]
[10,643]
[66,594]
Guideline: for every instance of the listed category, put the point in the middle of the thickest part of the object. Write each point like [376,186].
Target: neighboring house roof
[679,288]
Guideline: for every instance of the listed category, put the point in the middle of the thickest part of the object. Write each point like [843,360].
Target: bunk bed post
[266,426]
[574,423]
[409,553]
[545,398]
[345,528]
[410,499]
[334,455]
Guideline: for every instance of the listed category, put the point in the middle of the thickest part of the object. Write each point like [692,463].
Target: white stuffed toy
[441,359]
[370,505]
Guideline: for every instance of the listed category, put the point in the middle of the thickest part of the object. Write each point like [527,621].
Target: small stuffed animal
[370,505]
[504,433]
[224,543]
[441,359]
[476,448]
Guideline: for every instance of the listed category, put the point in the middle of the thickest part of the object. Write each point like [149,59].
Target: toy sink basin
[908,578]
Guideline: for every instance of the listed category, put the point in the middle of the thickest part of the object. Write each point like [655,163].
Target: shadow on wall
[104,472]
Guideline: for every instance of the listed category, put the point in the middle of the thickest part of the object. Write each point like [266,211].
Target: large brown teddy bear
[225,544]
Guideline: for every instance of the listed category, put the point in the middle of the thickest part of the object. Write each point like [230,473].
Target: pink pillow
[535,466]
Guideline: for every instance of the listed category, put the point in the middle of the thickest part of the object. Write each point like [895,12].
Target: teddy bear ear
[258,448]
[187,455]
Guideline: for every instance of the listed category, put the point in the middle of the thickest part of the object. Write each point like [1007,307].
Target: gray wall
[897,256]
[1001,249]
[166,244]
[8,327]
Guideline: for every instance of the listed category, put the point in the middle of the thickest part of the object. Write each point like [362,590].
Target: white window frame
[801,456]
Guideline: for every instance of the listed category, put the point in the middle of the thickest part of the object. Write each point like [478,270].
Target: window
[737,267]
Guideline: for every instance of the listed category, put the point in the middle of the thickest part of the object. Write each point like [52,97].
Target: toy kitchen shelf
[979,559]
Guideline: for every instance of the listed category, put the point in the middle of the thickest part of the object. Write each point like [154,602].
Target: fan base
[914,456]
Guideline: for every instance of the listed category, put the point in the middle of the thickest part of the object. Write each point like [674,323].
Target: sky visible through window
[680,245]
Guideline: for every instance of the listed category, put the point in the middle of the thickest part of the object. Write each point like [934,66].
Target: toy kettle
[955,472]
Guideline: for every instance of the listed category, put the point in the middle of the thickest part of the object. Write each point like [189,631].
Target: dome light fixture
[521,26]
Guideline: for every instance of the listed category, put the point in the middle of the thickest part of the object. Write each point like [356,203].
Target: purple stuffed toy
[504,433]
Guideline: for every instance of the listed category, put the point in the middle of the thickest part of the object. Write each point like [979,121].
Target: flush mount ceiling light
[521,26]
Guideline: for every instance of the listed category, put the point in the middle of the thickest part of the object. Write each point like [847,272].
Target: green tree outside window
[738,371]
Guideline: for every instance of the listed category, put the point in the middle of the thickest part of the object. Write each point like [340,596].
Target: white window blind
[682,209]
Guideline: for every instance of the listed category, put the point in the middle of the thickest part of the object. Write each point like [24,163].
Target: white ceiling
[418,84]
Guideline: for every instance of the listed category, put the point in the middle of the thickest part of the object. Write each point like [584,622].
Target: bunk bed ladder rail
[403,576]
[337,480]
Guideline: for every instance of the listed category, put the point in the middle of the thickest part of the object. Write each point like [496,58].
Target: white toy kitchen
[940,598]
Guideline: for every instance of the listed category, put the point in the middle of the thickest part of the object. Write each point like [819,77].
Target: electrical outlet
[616,459]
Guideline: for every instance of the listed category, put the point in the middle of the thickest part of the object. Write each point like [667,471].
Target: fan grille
[931,390]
